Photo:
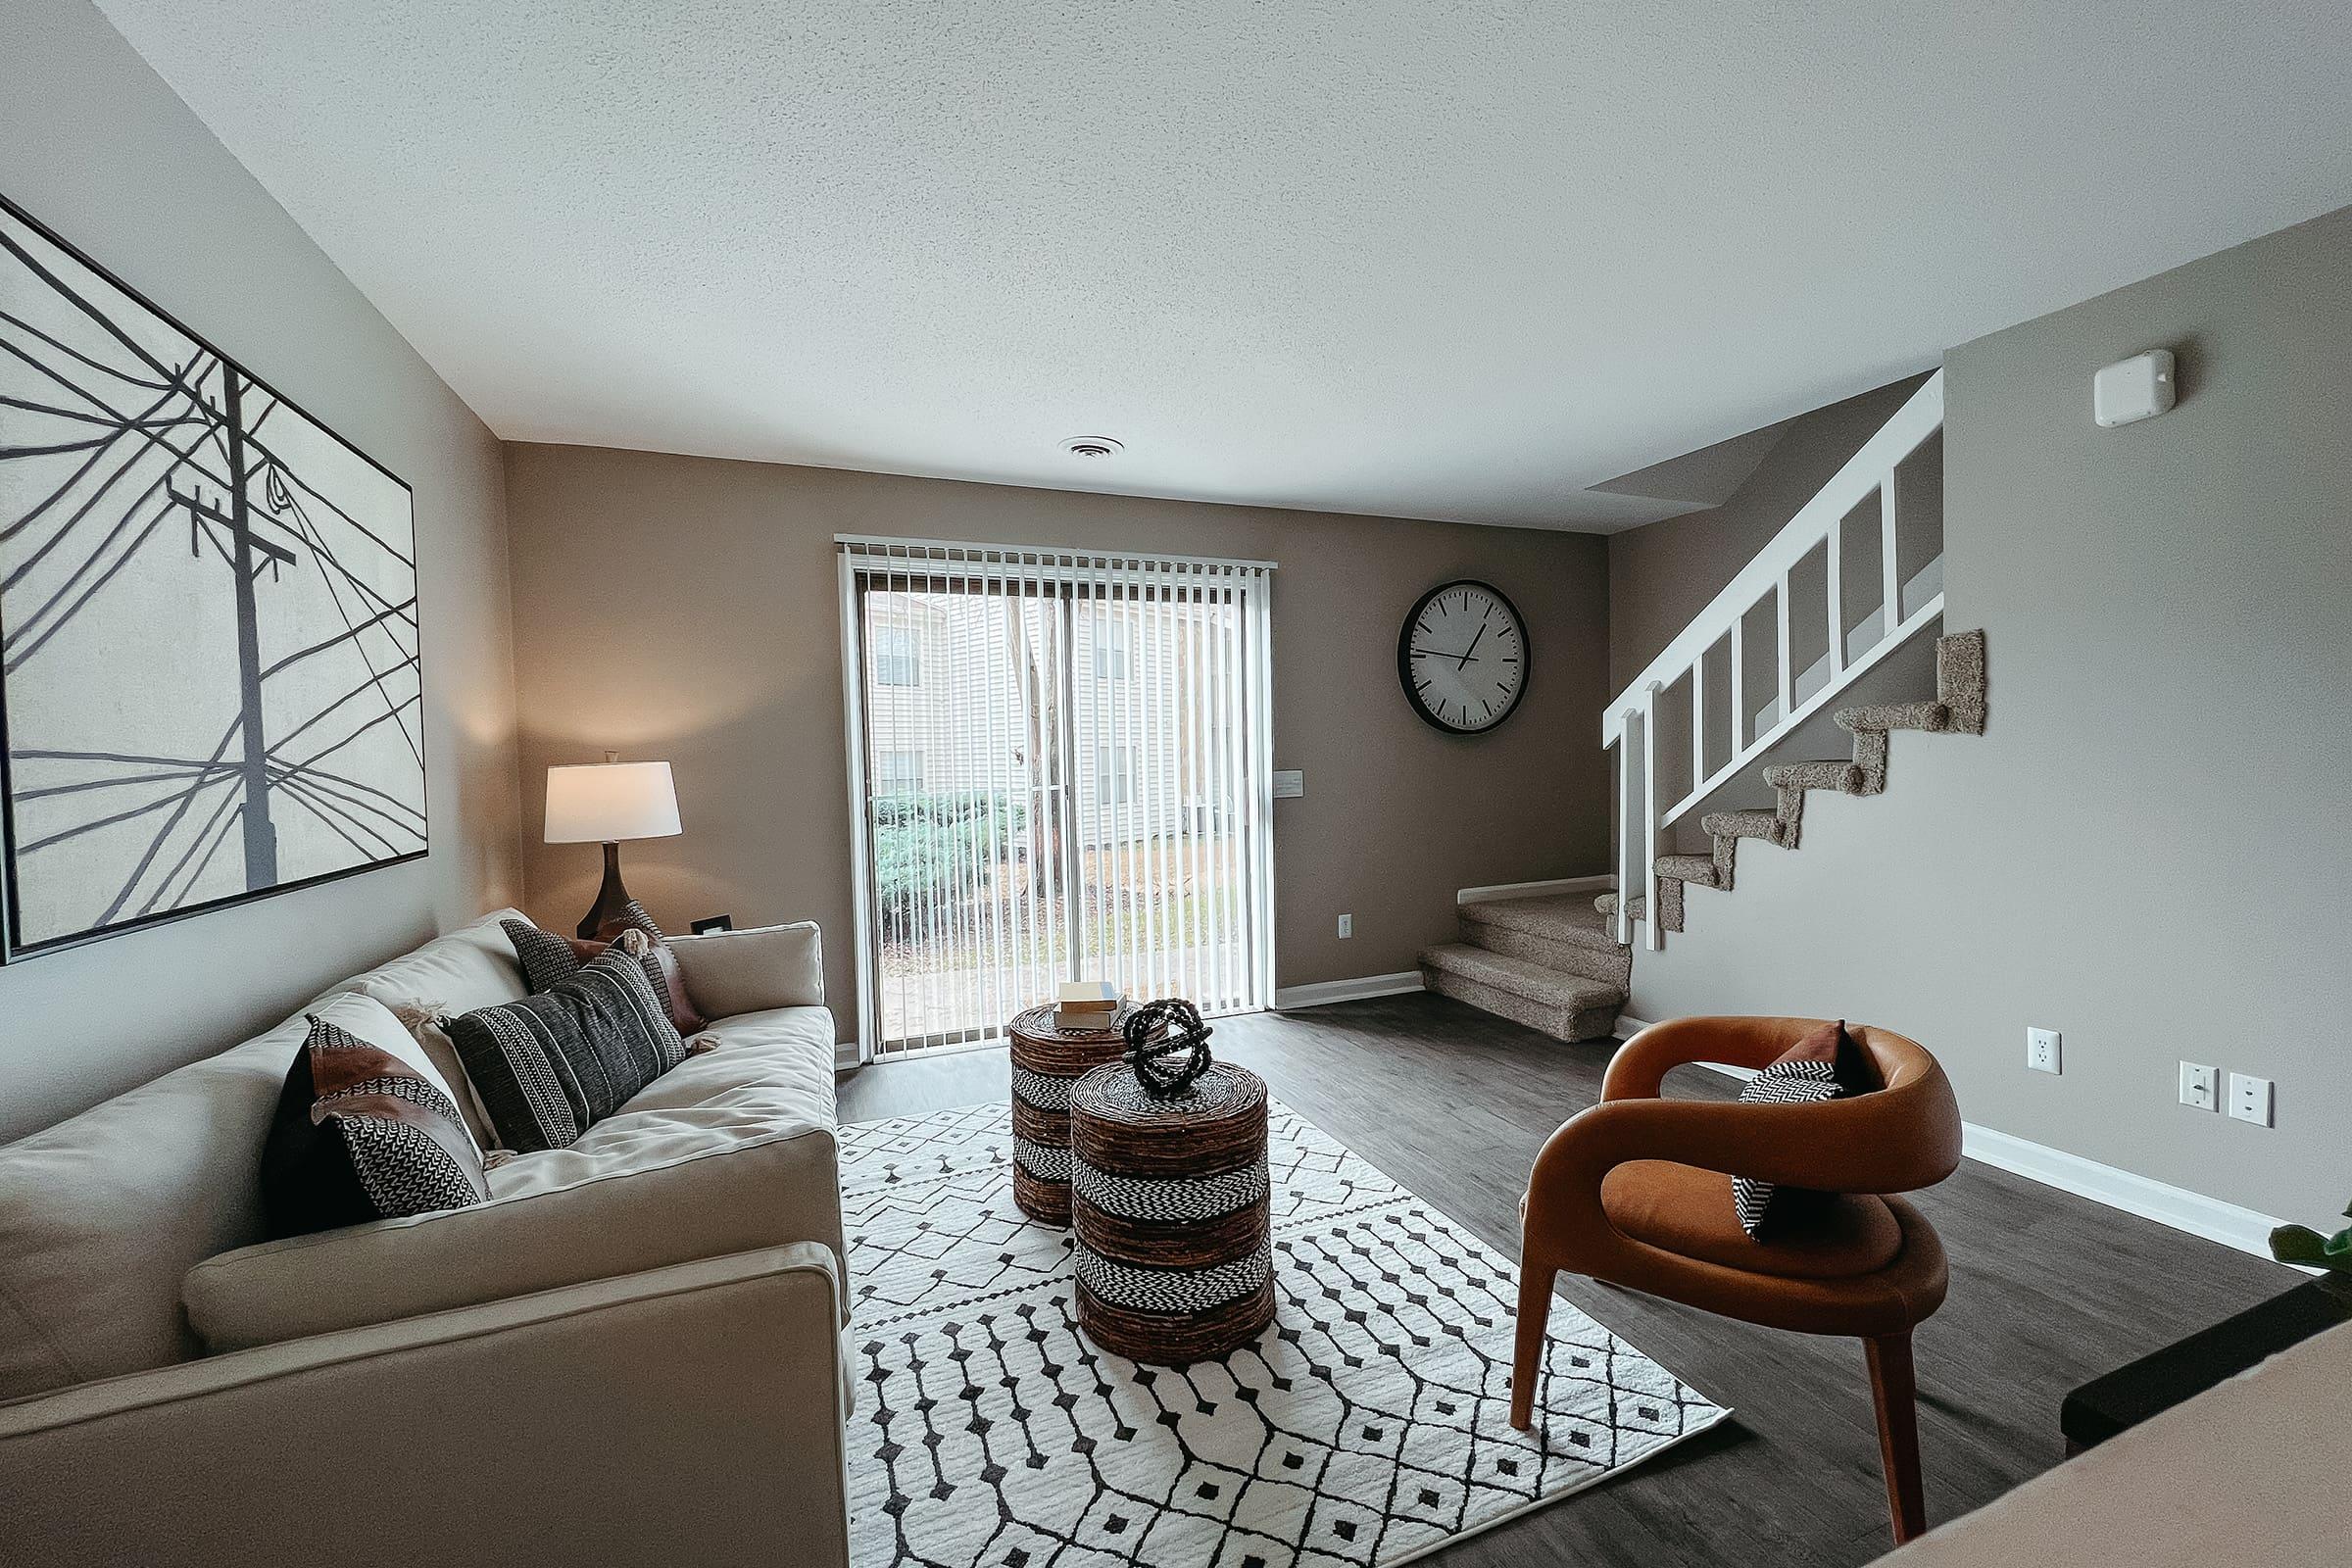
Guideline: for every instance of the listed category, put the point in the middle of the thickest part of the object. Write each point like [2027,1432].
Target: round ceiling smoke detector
[1093,446]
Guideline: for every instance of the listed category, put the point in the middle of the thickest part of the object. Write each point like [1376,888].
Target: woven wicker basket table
[1168,1197]
[1045,1061]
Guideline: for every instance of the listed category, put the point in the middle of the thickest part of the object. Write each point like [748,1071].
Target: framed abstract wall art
[210,678]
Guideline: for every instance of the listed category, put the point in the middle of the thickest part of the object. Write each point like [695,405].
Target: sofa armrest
[685,1415]
[727,972]
[573,1219]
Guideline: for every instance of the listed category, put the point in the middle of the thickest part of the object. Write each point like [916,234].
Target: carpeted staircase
[1958,708]
[1549,962]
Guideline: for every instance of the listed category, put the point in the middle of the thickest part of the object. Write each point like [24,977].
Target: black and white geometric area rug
[1369,1426]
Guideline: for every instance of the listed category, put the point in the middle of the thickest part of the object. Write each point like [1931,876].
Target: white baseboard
[1289,999]
[2166,1204]
[1529,889]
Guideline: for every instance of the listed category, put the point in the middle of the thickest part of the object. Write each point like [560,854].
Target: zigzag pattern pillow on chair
[1825,1064]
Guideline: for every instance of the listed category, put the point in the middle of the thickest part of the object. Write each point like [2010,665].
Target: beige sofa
[630,1354]
[2250,1472]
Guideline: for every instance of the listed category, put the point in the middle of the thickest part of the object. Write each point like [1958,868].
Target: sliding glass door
[1058,768]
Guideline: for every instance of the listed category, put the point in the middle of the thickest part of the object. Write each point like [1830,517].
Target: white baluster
[1649,811]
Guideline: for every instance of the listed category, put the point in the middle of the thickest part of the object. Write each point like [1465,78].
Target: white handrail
[1874,466]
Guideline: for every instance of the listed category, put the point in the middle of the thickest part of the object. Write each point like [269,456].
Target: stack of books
[1088,1005]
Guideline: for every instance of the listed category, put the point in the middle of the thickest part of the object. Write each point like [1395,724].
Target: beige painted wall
[2151,847]
[94,144]
[687,608]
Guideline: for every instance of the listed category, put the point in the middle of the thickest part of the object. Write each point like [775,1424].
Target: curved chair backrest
[1897,1138]
[1925,1123]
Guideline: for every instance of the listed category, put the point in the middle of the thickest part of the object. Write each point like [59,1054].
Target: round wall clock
[1462,657]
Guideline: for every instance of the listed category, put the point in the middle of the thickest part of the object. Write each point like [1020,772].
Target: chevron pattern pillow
[553,1066]
[1827,1063]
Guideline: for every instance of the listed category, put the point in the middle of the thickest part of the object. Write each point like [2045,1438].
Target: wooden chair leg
[1526,1352]
[1894,1390]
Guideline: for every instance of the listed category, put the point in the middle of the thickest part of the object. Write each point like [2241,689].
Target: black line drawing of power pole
[248,555]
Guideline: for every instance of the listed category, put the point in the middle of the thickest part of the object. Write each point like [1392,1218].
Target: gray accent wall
[2151,847]
[688,608]
[93,143]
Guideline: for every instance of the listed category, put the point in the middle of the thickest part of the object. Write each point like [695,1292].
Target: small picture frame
[716,922]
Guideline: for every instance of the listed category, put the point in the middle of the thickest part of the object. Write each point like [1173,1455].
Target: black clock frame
[1404,658]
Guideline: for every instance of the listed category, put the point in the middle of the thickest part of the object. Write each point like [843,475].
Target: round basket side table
[1169,1201]
[1045,1061]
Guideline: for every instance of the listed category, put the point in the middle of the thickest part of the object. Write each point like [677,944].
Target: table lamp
[604,802]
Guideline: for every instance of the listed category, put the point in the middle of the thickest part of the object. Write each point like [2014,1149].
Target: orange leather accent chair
[1636,1192]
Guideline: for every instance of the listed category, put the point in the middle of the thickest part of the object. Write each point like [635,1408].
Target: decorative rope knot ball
[1166,1066]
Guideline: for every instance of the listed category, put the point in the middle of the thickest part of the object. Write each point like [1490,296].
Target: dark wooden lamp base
[605,917]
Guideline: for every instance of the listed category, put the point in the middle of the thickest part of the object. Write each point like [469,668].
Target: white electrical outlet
[2200,1086]
[2250,1098]
[1346,925]
[2041,1051]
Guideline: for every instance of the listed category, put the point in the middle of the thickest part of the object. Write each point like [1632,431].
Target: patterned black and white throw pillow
[553,1066]
[1783,1083]
[546,957]
[362,1135]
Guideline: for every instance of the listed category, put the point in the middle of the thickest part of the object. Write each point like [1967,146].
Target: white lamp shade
[598,803]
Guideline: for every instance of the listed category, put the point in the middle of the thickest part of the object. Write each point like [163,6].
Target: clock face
[1462,657]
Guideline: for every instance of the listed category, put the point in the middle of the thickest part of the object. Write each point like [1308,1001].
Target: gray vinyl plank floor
[2047,1290]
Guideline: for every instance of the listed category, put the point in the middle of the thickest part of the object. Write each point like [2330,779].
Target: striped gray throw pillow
[553,1066]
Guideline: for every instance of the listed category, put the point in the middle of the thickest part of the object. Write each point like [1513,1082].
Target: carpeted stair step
[1838,773]
[1702,869]
[1560,931]
[1765,825]
[1932,718]
[1670,899]
[1566,1006]
[1960,679]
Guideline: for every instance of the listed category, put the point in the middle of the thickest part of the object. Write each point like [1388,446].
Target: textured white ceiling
[1445,260]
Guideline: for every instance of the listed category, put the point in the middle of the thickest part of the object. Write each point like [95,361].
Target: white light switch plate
[2042,1051]
[1289,783]
[2200,1086]
[1346,925]
[2250,1098]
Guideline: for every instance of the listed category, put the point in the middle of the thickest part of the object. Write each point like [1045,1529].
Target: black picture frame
[211,389]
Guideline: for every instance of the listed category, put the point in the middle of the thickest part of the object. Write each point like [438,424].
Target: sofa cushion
[730,972]
[781,1059]
[472,967]
[640,1191]
[102,1214]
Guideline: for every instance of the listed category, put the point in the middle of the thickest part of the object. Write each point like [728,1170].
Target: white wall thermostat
[2136,388]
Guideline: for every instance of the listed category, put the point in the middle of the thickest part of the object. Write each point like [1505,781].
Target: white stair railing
[1910,599]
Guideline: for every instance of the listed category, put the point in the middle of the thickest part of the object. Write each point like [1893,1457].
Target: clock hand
[1463,660]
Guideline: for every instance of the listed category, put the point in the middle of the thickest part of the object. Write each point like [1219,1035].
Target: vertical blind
[1059,770]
